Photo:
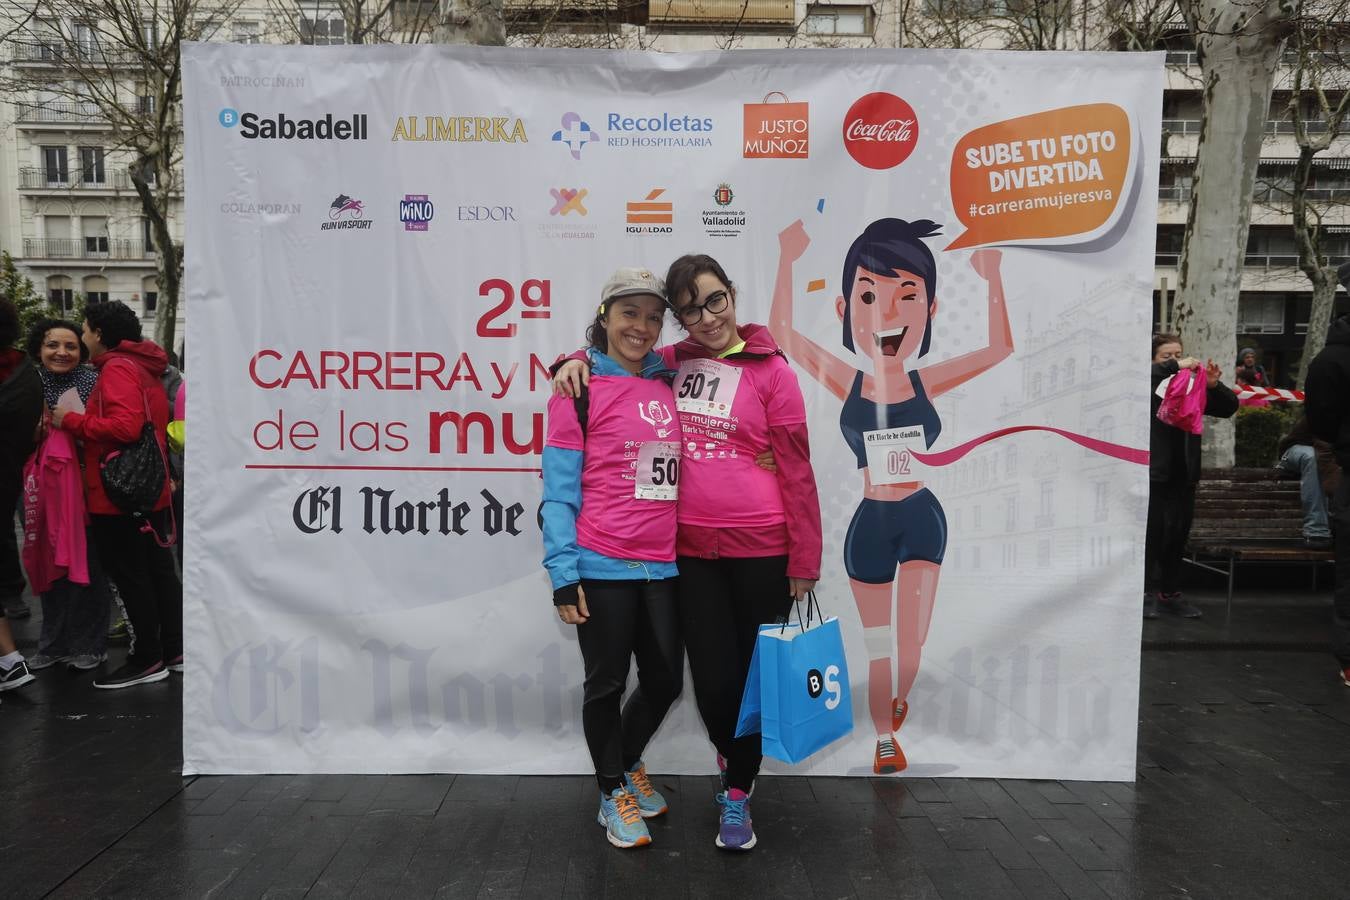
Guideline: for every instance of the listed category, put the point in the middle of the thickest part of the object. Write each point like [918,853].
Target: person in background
[20,413]
[1327,406]
[1249,372]
[139,565]
[1174,471]
[74,615]
[1311,461]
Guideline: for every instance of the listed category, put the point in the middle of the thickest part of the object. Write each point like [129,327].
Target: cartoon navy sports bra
[859,415]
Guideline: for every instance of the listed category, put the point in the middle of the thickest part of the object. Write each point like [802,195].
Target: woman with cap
[611,466]
[749,533]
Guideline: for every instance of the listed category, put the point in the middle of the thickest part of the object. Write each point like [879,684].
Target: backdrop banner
[389,245]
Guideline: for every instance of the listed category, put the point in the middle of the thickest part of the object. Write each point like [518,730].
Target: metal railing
[41,179]
[83,248]
[58,51]
[1174,192]
[58,111]
[1181,126]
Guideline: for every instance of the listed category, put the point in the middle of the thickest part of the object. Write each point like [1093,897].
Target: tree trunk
[1239,47]
[1319,320]
[169,258]
[472,22]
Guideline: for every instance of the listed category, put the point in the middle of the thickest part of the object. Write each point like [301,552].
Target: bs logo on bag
[817,683]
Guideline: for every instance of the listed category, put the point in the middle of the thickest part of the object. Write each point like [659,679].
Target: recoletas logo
[281,127]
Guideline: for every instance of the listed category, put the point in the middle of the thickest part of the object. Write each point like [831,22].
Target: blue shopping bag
[797,691]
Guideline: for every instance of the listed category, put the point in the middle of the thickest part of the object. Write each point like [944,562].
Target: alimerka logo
[461,129]
[880,131]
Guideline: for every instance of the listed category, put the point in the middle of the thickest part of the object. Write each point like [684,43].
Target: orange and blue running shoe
[650,801]
[622,819]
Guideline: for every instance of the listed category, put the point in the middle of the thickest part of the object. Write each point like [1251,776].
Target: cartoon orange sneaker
[898,712]
[890,758]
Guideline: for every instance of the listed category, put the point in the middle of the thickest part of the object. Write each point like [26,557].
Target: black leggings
[1171,507]
[146,581]
[722,604]
[627,619]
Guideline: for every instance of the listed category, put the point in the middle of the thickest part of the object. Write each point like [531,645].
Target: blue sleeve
[562,504]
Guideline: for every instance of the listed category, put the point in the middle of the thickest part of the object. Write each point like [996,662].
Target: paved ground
[1243,791]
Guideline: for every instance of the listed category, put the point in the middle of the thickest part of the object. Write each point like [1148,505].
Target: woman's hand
[1187,362]
[793,241]
[766,462]
[59,412]
[578,614]
[1212,373]
[572,375]
[798,587]
[985,262]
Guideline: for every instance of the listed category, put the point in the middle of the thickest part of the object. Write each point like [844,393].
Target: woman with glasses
[741,563]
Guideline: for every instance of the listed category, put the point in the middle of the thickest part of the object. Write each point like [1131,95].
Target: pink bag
[1183,404]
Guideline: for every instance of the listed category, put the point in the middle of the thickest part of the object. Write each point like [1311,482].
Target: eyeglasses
[693,313]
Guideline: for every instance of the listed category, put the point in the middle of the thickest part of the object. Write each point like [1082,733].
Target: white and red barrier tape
[1246,391]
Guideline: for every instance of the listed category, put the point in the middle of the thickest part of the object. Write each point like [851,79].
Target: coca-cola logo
[880,131]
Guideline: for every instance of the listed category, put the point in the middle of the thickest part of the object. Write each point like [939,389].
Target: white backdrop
[387,244]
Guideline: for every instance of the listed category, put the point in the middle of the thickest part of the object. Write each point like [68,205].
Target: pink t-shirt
[726,407]
[631,470]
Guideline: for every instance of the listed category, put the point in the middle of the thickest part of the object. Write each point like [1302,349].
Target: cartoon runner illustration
[895,544]
[345,204]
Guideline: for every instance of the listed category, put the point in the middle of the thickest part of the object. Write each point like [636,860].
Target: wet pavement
[1243,791]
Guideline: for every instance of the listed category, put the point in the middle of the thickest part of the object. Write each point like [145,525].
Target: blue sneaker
[650,801]
[735,831]
[622,819]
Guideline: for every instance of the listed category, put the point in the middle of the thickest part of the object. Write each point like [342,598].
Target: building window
[325,27]
[150,293]
[96,289]
[91,165]
[145,106]
[830,19]
[54,164]
[1069,371]
[1261,314]
[61,293]
[1099,507]
[151,303]
[86,39]
[1010,514]
[246,33]
[148,236]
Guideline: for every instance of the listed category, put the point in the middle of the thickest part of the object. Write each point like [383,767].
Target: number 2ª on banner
[534,296]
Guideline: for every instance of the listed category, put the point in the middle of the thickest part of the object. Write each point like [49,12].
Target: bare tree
[354,21]
[118,64]
[1318,120]
[1238,43]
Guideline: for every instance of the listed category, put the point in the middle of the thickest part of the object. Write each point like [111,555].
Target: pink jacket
[54,516]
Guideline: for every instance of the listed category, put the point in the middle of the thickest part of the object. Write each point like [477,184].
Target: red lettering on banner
[461,423]
[253,368]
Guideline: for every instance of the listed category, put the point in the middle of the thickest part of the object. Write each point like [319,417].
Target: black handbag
[133,476]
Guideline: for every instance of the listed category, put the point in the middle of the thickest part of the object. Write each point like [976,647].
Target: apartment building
[73,222]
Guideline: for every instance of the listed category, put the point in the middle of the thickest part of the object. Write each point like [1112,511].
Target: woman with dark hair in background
[20,412]
[74,614]
[129,390]
[1174,471]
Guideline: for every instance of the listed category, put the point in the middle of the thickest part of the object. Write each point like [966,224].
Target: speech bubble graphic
[1053,177]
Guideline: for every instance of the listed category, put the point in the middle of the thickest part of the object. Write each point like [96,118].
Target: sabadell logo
[282,127]
[880,131]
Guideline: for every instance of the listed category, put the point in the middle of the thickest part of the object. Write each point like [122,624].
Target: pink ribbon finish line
[1106,448]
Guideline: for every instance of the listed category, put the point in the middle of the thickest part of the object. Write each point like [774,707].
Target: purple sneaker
[735,831]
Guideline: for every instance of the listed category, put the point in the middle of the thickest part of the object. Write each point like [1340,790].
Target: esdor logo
[880,131]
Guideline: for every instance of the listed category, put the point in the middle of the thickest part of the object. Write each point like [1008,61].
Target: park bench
[1249,516]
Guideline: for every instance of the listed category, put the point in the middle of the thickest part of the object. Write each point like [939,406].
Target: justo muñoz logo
[880,131]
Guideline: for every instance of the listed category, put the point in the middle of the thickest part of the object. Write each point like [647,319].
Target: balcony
[523,13]
[58,112]
[1181,126]
[42,180]
[83,248]
[60,52]
[781,13]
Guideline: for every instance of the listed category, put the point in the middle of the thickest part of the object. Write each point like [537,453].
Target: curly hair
[9,322]
[114,321]
[37,336]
